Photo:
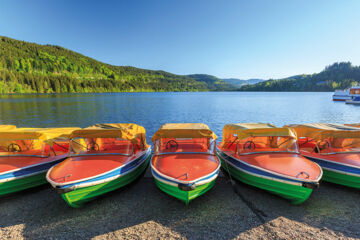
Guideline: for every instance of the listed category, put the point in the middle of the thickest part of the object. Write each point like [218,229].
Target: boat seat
[187,147]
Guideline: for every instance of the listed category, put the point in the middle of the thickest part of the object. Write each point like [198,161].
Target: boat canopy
[245,130]
[7,127]
[36,135]
[320,131]
[127,131]
[184,130]
[43,134]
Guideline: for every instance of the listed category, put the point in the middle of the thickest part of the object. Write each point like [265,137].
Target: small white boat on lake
[341,95]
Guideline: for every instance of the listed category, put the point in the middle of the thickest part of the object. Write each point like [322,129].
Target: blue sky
[232,38]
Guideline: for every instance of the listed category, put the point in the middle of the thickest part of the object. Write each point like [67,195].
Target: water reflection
[153,109]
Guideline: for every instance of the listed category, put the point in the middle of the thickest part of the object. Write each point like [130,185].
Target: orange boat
[335,147]
[267,157]
[184,164]
[27,153]
[102,158]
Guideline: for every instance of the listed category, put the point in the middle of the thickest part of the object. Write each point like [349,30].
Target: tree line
[336,76]
[32,68]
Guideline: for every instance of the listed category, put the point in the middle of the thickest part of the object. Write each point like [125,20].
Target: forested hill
[32,68]
[240,82]
[213,82]
[336,76]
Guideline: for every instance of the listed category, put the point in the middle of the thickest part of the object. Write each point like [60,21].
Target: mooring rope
[258,213]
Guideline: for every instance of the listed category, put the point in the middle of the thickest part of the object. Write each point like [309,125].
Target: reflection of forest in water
[154,109]
[47,110]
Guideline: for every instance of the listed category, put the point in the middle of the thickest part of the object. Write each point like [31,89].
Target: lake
[154,109]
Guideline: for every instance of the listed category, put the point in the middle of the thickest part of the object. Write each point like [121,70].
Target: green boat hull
[341,178]
[78,197]
[295,193]
[22,183]
[184,196]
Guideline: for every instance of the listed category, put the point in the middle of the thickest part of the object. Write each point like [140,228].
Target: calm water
[153,109]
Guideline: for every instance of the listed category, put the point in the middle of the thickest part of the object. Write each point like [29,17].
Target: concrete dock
[142,211]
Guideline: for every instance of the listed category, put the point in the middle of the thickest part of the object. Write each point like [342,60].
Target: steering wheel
[93,147]
[13,147]
[171,144]
[248,145]
[325,145]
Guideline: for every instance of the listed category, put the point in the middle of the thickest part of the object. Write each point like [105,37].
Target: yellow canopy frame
[127,131]
[245,130]
[320,131]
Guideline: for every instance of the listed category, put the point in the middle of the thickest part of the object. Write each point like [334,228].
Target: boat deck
[288,164]
[86,166]
[342,155]
[186,167]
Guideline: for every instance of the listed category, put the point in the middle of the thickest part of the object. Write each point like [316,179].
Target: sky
[233,38]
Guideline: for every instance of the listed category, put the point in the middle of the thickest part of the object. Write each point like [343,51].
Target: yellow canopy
[36,133]
[320,131]
[245,130]
[184,130]
[128,131]
[7,127]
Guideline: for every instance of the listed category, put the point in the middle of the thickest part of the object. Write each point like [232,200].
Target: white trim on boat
[89,184]
[20,177]
[181,181]
[275,173]
[57,184]
[335,170]
[35,165]
[262,176]
[196,184]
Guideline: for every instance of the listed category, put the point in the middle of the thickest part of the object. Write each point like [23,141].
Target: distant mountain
[336,76]
[33,68]
[213,82]
[239,82]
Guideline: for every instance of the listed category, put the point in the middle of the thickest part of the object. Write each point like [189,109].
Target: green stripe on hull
[185,196]
[296,194]
[22,183]
[79,196]
[342,179]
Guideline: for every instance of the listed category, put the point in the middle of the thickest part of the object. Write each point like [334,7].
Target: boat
[265,156]
[184,164]
[102,158]
[354,96]
[27,153]
[341,95]
[335,147]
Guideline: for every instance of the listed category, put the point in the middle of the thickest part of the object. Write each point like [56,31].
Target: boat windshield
[31,147]
[263,144]
[330,145]
[185,145]
[101,146]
